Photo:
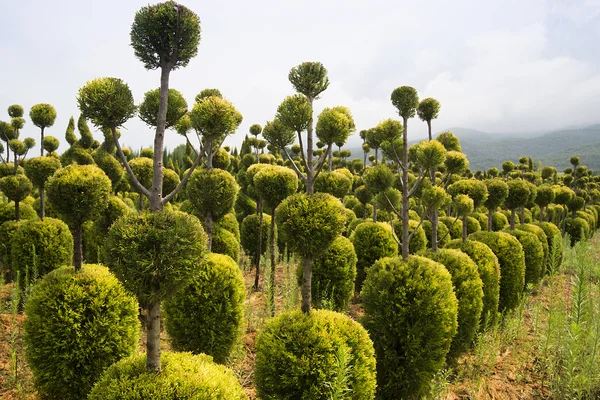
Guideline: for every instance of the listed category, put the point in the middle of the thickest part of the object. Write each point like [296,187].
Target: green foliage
[296,357]
[274,184]
[215,117]
[39,169]
[42,115]
[107,102]
[15,187]
[295,113]
[443,233]
[476,190]
[38,247]
[225,242]
[207,315]
[309,78]
[249,234]
[534,255]
[499,221]
[379,178]
[143,169]
[334,125]
[551,231]
[410,313]
[76,155]
[468,288]
[456,162]
[372,241]
[450,141]
[453,225]
[428,109]
[176,107]
[577,229]
[518,192]
[541,235]
[489,272]
[15,111]
[183,376]
[229,223]
[78,324]
[212,191]
[78,193]
[7,212]
[278,134]
[131,252]
[512,266]
[334,183]
[310,223]
[406,100]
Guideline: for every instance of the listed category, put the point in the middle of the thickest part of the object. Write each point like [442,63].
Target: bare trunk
[153,337]
[310,171]
[490,225]
[434,230]
[541,214]
[512,219]
[522,215]
[429,128]
[209,230]
[330,161]
[364,160]
[376,156]
[374,211]
[159,139]
[273,262]
[209,155]
[42,143]
[77,253]
[7,152]
[259,243]
[306,285]
[42,204]
[405,190]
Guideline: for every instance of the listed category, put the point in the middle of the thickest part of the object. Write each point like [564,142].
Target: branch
[187,175]
[447,233]
[294,166]
[134,180]
[412,191]
[396,238]
[302,151]
[322,160]
[417,228]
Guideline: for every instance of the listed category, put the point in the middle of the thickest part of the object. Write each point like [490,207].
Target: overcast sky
[495,65]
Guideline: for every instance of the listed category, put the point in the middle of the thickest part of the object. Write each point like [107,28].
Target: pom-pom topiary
[224,242]
[249,234]
[78,324]
[453,225]
[541,235]
[468,289]
[372,241]
[443,234]
[311,356]
[512,266]
[184,376]
[499,221]
[207,315]
[577,229]
[412,328]
[534,255]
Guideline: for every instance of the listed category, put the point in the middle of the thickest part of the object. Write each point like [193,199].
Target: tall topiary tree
[38,170]
[43,116]
[16,188]
[427,111]
[518,193]
[78,193]
[497,193]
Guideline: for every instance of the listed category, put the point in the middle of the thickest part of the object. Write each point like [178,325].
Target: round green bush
[512,266]
[473,225]
[333,277]
[77,325]
[418,241]
[482,219]
[443,234]
[334,183]
[249,234]
[499,221]
[352,225]
[39,247]
[229,223]
[301,356]
[555,256]
[224,242]
[411,328]
[7,212]
[372,241]
[212,191]
[577,229]
[468,289]
[183,376]
[207,315]
[590,219]
[541,235]
[534,255]
[363,211]
[489,272]
[453,225]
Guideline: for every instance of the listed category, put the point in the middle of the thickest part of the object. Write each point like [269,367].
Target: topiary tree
[468,288]
[545,196]
[512,266]
[38,170]
[497,194]
[207,315]
[534,255]
[518,193]
[555,244]
[412,328]
[184,376]
[310,223]
[319,355]
[153,276]
[78,324]
[16,188]
[427,110]
[43,116]
[225,242]
[251,228]
[78,193]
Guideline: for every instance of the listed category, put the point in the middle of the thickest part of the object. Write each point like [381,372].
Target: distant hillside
[485,150]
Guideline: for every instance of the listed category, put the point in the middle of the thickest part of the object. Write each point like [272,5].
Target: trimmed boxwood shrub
[207,315]
[591,220]
[230,223]
[455,228]
[372,241]
[512,266]
[7,230]
[77,325]
[333,277]
[183,376]
[541,235]
[489,272]
[224,242]
[352,225]
[442,234]
[411,328]
[551,231]
[482,219]
[53,244]
[499,221]
[577,229]
[473,225]
[469,293]
[300,356]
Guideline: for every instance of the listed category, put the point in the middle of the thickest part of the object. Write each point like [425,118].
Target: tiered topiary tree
[43,116]
[39,170]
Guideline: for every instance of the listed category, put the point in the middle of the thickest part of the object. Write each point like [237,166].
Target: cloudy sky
[495,65]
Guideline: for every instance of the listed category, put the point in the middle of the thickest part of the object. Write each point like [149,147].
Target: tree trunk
[159,139]
[153,337]
[490,224]
[405,190]
[330,161]
[209,230]
[376,156]
[522,215]
[512,219]
[17,211]
[434,230]
[306,285]
[42,143]
[374,211]
[259,243]
[364,160]
[209,154]
[541,214]
[77,253]
[310,170]
[429,129]
[273,262]
[42,204]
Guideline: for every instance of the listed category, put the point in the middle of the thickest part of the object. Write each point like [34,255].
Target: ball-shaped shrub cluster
[77,325]
[207,315]
[39,247]
[335,183]
[224,242]
[453,225]
[473,225]
[183,376]
[212,191]
[555,243]
[372,241]
[468,289]
[577,229]
[443,235]
[489,272]
[541,235]
[249,234]
[301,356]
[412,328]
[534,255]
[499,221]
[512,265]
[7,212]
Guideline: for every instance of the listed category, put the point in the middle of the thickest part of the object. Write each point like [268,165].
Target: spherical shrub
[590,219]
[183,376]
[482,219]
[469,293]
[577,229]
[78,324]
[212,191]
[512,266]
[249,234]
[301,356]
[229,223]
[443,235]
[534,255]
[207,315]
[418,241]
[39,247]
[333,277]
[499,221]
[224,242]
[372,241]
[555,255]
[489,272]
[541,235]
[473,225]
[352,225]
[7,212]
[334,183]
[453,225]
[411,328]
